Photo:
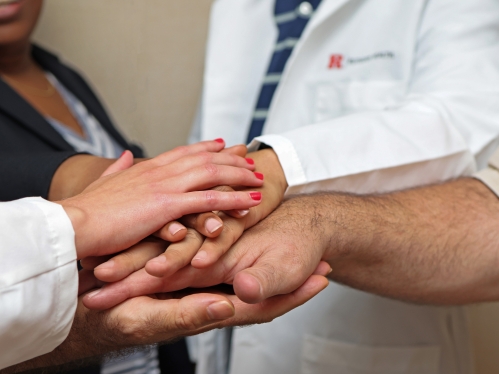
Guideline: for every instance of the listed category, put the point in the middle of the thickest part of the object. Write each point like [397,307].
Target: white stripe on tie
[286,44]
[286,17]
[260,114]
[272,78]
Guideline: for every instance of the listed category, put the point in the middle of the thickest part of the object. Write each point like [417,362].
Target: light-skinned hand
[120,209]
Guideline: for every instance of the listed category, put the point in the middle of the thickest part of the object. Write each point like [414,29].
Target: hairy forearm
[437,245]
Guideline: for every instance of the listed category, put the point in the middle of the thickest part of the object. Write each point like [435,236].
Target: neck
[15,59]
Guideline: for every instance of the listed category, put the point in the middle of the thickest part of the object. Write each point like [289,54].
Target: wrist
[267,162]
[79,221]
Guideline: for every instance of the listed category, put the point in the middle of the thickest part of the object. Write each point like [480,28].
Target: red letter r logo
[336,61]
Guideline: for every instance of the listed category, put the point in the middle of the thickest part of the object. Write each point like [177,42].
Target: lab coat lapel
[242,38]
[294,68]
[326,10]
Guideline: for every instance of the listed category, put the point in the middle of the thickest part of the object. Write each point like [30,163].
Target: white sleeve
[38,279]
[490,175]
[447,122]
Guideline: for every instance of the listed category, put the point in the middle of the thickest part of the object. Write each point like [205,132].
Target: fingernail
[219,140]
[256,196]
[250,161]
[242,213]
[212,225]
[159,260]
[106,265]
[330,271]
[174,228]
[259,176]
[122,154]
[220,310]
[201,256]
[93,294]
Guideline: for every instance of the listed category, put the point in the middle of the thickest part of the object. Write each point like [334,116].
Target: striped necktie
[291,18]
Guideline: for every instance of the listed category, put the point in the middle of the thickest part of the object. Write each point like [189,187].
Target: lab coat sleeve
[446,124]
[38,279]
[490,175]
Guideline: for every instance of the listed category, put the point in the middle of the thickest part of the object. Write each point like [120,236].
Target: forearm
[434,245]
[75,174]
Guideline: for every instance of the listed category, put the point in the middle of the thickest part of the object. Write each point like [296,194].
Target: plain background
[145,58]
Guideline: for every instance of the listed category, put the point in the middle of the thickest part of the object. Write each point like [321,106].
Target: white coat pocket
[324,356]
[332,100]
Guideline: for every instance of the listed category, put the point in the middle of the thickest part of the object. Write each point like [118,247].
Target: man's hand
[204,252]
[195,249]
[150,320]
[273,258]
[267,164]
[120,209]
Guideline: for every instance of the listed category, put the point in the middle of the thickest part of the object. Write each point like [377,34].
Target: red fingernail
[123,154]
[250,161]
[256,196]
[219,140]
[259,176]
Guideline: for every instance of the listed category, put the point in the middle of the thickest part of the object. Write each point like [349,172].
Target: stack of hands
[164,234]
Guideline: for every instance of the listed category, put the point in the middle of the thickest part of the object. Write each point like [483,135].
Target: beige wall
[145,59]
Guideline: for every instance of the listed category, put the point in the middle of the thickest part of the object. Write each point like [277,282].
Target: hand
[149,320]
[195,249]
[120,209]
[273,258]
[207,224]
[203,255]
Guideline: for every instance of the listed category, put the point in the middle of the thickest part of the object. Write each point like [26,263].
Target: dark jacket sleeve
[29,174]
[31,151]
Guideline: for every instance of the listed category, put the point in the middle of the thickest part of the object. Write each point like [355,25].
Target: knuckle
[150,174]
[187,321]
[182,150]
[212,198]
[206,157]
[131,329]
[212,170]
[177,256]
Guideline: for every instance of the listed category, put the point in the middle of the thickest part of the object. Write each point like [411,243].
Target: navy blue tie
[291,17]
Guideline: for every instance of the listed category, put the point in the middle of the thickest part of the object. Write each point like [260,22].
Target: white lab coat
[416,101]
[38,279]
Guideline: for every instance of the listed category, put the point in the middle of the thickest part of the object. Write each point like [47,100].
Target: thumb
[196,311]
[267,278]
[124,162]
[323,269]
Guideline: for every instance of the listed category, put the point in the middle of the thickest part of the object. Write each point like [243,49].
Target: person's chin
[10,10]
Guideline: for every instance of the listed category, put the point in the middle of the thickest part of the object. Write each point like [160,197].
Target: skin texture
[126,206]
[149,320]
[204,252]
[115,211]
[440,240]
[197,249]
